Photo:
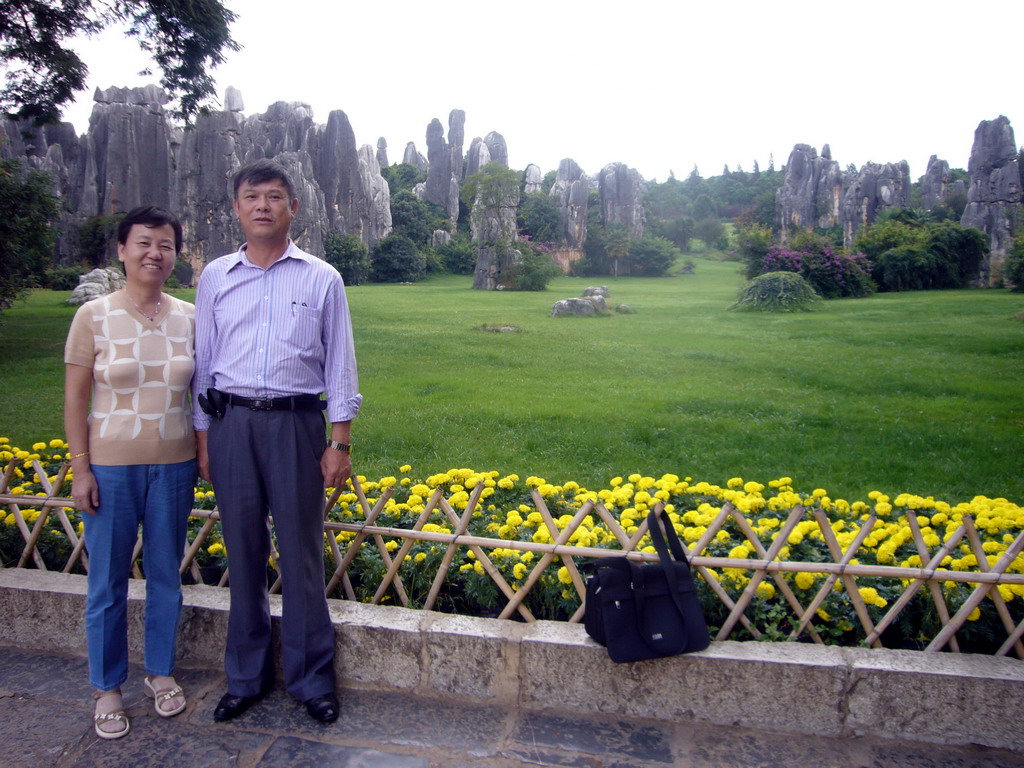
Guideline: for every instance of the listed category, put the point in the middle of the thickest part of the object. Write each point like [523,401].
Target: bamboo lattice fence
[366,533]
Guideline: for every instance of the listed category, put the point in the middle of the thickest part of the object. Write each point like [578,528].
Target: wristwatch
[343,447]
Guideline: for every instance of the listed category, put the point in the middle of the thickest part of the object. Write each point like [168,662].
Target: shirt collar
[291,252]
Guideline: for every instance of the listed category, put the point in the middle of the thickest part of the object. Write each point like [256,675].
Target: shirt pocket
[305,328]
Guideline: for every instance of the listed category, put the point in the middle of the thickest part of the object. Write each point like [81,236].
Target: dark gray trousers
[260,462]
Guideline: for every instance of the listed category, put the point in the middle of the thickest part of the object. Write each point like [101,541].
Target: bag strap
[658,536]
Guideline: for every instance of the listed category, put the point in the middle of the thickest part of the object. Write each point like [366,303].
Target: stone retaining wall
[786,687]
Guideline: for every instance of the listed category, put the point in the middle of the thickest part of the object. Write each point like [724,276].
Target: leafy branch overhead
[186,38]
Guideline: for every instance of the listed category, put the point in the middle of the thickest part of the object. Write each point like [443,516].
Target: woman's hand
[77,388]
[85,491]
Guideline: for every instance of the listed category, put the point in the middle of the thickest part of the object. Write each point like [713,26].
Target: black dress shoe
[324,709]
[231,706]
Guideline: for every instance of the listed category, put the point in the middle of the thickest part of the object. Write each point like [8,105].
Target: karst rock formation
[994,191]
[132,154]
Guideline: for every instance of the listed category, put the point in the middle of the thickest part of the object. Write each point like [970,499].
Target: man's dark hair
[149,216]
[263,171]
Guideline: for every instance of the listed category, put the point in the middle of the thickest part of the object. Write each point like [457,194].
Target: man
[272,334]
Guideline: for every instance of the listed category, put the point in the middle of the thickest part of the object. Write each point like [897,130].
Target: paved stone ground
[46,707]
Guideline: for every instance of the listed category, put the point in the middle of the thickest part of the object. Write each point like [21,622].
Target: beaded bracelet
[78,455]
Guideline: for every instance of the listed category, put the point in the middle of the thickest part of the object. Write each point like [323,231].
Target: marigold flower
[766,589]
[804,580]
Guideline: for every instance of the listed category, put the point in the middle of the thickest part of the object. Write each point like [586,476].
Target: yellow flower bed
[506,511]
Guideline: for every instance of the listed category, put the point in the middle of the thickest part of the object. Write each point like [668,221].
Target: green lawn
[915,392]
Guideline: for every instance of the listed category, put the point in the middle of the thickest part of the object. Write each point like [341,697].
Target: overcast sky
[661,86]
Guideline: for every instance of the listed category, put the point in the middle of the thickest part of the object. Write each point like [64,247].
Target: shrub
[754,241]
[26,235]
[63,278]
[414,218]
[836,274]
[903,268]
[458,256]
[96,238]
[396,260]
[878,238]
[907,253]
[532,271]
[349,255]
[957,252]
[946,256]
[538,216]
[831,272]
[1013,271]
[653,256]
[777,292]
[183,272]
[712,233]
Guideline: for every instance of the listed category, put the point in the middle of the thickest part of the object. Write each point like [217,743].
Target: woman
[133,459]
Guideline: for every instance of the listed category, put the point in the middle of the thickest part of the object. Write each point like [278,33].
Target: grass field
[915,392]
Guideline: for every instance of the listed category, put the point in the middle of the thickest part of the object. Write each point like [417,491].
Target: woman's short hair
[149,216]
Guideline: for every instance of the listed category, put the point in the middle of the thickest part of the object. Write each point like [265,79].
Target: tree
[97,236]
[396,260]
[1013,270]
[185,38]
[349,255]
[402,176]
[548,182]
[653,256]
[414,218]
[704,208]
[459,255]
[494,192]
[29,206]
[532,271]
[679,231]
[616,245]
[538,217]
[754,242]
[712,233]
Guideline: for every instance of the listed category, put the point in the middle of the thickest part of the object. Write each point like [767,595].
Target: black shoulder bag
[646,611]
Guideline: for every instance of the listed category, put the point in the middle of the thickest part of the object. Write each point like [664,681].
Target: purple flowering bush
[833,272]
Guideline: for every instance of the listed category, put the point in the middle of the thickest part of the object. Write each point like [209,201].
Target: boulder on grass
[98,282]
[572,307]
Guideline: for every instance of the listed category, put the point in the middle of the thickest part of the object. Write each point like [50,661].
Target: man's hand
[336,467]
[203,456]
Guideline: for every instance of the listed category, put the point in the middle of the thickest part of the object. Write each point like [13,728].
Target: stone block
[378,645]
[730,683]
[467,657]
[941,698]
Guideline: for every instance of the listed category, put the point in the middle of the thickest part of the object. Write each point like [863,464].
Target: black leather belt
[292,403]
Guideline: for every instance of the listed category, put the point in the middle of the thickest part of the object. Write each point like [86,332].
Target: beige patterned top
[142,371]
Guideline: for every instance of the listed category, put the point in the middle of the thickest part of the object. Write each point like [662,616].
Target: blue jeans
[160,497]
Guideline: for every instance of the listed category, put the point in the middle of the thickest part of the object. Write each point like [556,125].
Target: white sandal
[115,716]
[163,699]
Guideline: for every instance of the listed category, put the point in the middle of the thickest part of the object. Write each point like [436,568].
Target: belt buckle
[261,404]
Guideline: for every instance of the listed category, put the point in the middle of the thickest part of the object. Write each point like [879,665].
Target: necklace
[151,318]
